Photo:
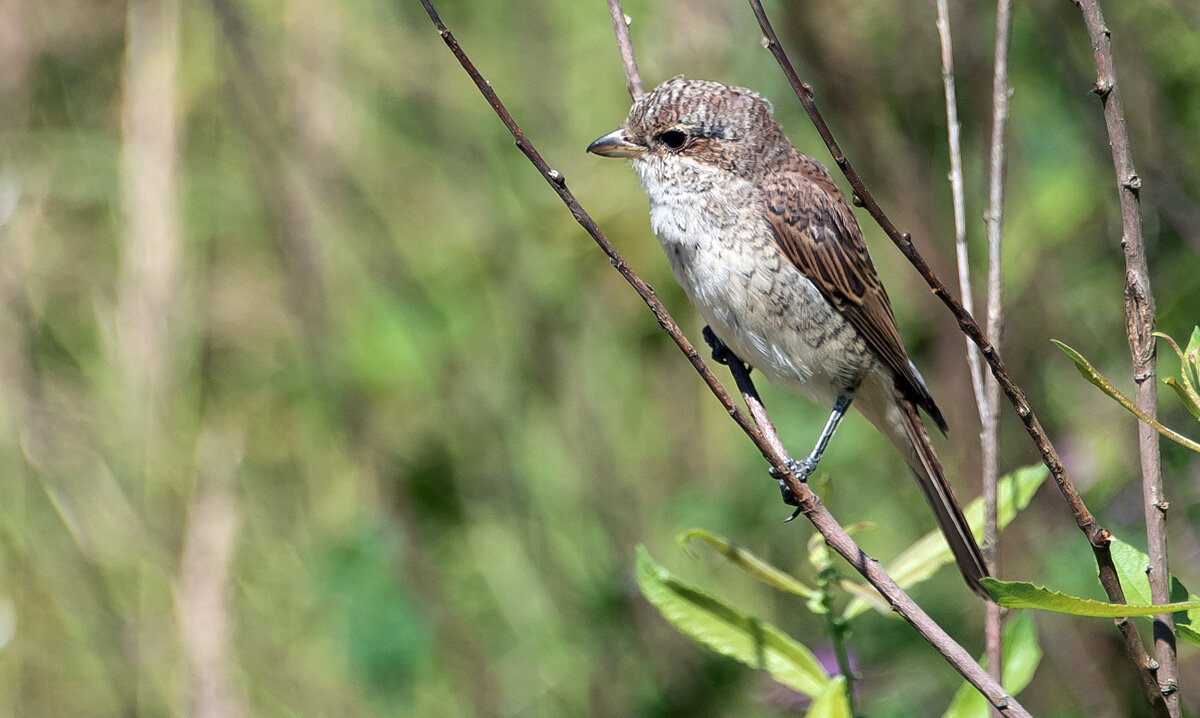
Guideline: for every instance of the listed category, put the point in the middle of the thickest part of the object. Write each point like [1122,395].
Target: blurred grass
[409,424]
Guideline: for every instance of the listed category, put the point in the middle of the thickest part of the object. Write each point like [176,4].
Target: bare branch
[1139,324]
[953,135]
[620,23]
[1098,537]
[994,218]
[810,505]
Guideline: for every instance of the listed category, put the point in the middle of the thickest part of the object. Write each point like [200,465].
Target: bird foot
[721,354]
[802,470]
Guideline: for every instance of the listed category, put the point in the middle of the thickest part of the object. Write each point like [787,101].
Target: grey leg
[804,467]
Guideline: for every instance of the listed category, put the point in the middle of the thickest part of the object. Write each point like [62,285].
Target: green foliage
[1020,654]
[833,701]
[386,639]
[1185,385]
[403,425]
[919,561]
[724,628]
[1021,594]
[750,563]
[1131,565]
[1089,372]
[728,631]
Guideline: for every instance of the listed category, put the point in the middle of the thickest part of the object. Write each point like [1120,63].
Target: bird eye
[673,139]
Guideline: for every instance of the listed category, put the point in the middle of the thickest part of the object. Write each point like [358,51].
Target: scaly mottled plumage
[768,250]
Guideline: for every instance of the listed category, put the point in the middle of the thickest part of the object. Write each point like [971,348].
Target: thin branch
[620,23]
[559,184]
[987,418]
[1097,536]
[990,408]
[1139,323]
[837,539]
[953,135]
[835,536]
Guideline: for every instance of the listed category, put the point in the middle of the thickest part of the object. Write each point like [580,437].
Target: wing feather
[816,230]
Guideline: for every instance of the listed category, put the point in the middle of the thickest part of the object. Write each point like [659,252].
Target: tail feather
[932,479]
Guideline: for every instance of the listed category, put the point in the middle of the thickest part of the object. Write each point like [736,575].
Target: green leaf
[928,554]
[1021,652]
[1020,655]
[1186,633]
[1089,372]
[1131,567]
[1189,371]
[865,593]
[728,631]
[1021,594]
[833,703]
[1188,621]
[749,562]
[1191,403]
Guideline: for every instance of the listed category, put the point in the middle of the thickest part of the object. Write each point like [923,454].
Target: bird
[768,250]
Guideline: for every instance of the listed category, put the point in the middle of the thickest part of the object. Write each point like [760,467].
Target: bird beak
[616,144]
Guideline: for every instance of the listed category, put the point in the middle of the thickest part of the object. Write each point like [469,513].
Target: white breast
[756,301]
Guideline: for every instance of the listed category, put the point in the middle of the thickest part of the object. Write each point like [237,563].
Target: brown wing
[817,232]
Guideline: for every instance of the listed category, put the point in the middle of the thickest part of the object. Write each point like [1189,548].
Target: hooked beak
[616,144]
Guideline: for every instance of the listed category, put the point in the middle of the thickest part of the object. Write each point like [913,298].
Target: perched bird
[768,250]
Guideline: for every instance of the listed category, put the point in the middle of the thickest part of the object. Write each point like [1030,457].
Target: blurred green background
[315,401]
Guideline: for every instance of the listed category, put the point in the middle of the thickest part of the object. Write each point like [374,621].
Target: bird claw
[720,352]
[802,470]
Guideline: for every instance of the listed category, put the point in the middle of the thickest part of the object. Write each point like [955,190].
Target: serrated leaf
[1089,372]
[1021,594]
[728,631]
[833,703]
[1131,567]
[1020,655]
[750,563]
[921,560]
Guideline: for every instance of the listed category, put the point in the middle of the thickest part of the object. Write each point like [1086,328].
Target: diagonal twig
[621,27]
[810,504]
[1097,536]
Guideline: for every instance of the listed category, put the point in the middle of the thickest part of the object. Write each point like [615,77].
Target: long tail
[932,479]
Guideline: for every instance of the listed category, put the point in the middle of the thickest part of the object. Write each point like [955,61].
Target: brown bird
[768,250]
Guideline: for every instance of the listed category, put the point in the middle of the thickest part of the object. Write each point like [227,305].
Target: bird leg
[721,354]
[804,467]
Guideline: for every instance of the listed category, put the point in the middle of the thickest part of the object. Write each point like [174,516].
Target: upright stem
[981,383]
[953,136]
[1098,537]
[990,408]
[839,630]
[620,23]
[1139,324]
